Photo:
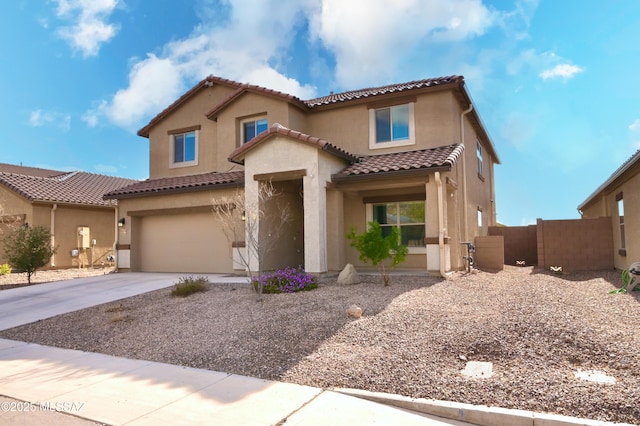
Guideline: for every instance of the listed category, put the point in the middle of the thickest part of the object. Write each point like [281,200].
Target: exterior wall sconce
[121,223]
[244,216]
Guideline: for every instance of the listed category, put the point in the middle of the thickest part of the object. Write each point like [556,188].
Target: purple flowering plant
[287,280]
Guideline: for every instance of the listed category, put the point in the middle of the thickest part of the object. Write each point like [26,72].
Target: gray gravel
[414,338]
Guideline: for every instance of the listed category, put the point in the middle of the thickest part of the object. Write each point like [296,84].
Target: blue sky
[554,81]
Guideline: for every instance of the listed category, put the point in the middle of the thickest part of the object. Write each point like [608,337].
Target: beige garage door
[190,243]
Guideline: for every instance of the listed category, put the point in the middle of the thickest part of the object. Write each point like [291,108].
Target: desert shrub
[189,285]
[28,249]
[5,269]
[287,280]
[383,252]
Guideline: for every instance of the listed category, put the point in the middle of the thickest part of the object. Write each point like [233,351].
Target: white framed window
[392,126]
[479,215]
[184,149]
[623,243]
[479,156]
[251,128]
[408,216]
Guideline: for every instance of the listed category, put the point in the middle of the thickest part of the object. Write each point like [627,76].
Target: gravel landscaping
[414,338]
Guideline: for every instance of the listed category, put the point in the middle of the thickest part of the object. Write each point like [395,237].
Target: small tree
[379,250]
[28,249]
[248,222]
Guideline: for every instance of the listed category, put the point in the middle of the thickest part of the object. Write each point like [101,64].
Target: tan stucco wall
[211,155]
[436,124]
[247,106]
[101,226]
[606,205]
[67,219]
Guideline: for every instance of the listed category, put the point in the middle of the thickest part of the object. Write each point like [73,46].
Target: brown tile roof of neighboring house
[237,156]
[178,184]
[383,90]
[29,171]
[443,157]
[66,188]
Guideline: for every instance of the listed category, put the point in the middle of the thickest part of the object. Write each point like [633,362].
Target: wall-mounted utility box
[84,237]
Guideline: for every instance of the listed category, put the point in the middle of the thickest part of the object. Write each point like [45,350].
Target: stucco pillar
[252,215]
[315,223]
[432,227]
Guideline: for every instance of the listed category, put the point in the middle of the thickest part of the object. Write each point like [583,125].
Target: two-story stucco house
[413,155]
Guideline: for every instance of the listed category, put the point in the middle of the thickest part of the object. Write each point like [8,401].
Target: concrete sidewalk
[120,391]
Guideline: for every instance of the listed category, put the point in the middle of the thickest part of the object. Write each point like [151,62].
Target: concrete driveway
[24,305]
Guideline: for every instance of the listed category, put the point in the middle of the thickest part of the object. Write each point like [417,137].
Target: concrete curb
[481,415]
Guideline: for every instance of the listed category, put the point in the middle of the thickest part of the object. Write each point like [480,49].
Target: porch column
[432,228]
[252,209]
[315,223]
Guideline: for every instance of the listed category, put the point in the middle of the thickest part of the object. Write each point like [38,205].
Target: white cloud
[249,40]
[635,126]
[370,37]
[40,118]
[564,71]
[89,28]
[244,49]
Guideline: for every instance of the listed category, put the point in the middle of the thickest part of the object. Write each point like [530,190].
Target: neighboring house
[414,155]
[69,204]
[619,198]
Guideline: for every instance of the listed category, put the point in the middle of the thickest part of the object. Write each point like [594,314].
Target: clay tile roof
[373,91]
[207,82]
[237,156]
[630,162]
[66,188]
[434,158]
[29,171]
[244,88]
[178,184]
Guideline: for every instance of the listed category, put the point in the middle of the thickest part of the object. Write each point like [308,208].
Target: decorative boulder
[354,311]
[349,275]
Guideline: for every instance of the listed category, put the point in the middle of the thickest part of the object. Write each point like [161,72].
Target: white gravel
[414,337]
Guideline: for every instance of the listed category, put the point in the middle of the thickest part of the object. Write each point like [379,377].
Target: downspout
[115,238]
[464,174]
[441,230]
[53,233]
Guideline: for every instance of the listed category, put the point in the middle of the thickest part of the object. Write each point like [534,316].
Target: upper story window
[479,156]
[391,126]
[184,147]
[252,128]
